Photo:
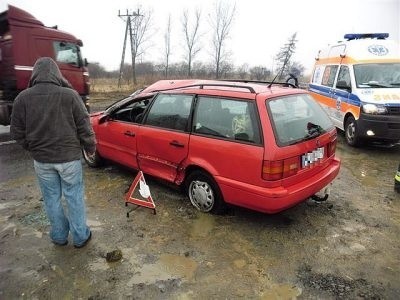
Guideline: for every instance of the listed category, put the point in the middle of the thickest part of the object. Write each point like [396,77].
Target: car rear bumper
[274,200]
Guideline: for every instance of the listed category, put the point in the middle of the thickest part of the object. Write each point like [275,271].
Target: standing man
[50,120]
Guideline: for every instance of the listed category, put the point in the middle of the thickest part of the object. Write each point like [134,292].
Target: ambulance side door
[341,93]
[328,90]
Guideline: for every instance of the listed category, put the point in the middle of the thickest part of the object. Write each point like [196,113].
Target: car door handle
[129,133]
[176,144]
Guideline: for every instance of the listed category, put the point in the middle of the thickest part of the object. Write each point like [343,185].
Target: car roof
[234,88]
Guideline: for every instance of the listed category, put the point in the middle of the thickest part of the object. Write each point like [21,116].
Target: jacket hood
[46,70]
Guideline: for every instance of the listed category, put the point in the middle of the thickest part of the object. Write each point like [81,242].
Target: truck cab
[357,81]
[24,39]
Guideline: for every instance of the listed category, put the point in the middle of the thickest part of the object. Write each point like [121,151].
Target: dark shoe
[85,242]
[60,244]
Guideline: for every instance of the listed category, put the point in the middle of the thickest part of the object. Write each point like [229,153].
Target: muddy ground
[345,248]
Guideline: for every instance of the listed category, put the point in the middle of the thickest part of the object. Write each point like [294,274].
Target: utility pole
[132,32]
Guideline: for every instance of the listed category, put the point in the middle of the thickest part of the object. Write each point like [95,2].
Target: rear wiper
[311,127]
[310,135]
[395,83]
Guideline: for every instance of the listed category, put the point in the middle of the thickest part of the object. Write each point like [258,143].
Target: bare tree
[221,21]
[243,70]
[259,73]
[191,38]
[285,54]
[167,49]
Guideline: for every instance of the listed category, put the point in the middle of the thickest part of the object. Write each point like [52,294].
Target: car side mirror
[341,84]
[104,118]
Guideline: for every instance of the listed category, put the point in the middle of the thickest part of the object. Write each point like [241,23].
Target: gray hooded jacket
[49,119]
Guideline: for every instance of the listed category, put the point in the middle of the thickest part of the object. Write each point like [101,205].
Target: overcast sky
[260,27]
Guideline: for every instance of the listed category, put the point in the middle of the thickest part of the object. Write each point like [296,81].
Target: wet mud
[345,248]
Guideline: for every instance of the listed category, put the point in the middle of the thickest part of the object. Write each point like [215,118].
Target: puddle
[370,173]
[93,223]
[8,226]
[99,264]
[282,292]
[6,205]
[239,263]
[202,226]
[168,266]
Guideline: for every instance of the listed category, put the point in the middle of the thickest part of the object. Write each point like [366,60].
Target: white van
[357,81]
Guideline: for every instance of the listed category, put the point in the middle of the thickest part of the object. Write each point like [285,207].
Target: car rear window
[297,118]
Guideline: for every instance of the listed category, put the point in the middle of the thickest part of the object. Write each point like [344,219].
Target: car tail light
[331,148]
[279,169]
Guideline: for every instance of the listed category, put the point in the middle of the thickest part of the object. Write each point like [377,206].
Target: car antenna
[273,80]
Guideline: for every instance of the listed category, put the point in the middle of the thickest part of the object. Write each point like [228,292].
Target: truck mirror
[85,62]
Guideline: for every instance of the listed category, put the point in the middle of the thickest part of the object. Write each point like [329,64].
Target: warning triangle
[139,193]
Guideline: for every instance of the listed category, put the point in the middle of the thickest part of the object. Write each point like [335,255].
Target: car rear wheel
[204,193]
[351,132]
[93,161]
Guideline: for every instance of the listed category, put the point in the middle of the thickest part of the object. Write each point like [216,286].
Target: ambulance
[357,82]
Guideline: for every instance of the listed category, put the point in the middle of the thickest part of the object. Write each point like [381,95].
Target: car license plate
[313,157]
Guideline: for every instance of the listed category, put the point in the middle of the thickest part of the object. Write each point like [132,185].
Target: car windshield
[297,118]
[385,75]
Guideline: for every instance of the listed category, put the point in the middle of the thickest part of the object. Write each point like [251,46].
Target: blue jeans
[55,180]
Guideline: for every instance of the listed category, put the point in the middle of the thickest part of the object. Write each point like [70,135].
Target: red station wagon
[263,146]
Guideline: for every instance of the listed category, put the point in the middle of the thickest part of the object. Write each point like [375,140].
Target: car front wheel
[204,193]
[351,132]
[93,161]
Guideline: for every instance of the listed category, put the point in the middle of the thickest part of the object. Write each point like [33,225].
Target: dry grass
[109,85]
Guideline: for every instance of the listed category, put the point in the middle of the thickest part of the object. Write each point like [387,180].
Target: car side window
[344,77]
[170,111]
[133,112]
[226,118]
[329,75]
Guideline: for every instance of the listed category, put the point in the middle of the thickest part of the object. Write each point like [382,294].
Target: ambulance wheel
[94,161]
[204,193]
[351,132]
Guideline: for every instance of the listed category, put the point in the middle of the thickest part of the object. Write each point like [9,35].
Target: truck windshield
[67,53]
[383,75]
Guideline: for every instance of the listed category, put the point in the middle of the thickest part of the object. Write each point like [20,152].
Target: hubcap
[351,131]
[90,159]
[201,195]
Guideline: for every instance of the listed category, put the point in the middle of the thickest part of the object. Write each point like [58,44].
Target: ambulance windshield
[385,75]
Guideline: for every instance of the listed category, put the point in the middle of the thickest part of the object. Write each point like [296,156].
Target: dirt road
[345,248]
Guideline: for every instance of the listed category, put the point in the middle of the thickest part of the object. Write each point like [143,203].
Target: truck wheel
[204,193]
[351,132]
[93,161]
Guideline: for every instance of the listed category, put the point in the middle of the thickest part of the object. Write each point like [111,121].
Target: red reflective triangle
[145,201]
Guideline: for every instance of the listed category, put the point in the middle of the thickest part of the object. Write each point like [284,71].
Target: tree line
[220,21]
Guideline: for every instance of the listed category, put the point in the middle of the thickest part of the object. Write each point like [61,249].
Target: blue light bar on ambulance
[357,36]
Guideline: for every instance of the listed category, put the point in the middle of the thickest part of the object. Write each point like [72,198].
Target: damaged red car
[262,146]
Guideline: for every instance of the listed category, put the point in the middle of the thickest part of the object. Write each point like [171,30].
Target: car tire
[204,193]
[93,162]
[351,132]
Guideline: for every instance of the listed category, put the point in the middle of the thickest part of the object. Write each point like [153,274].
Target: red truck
[23,39]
